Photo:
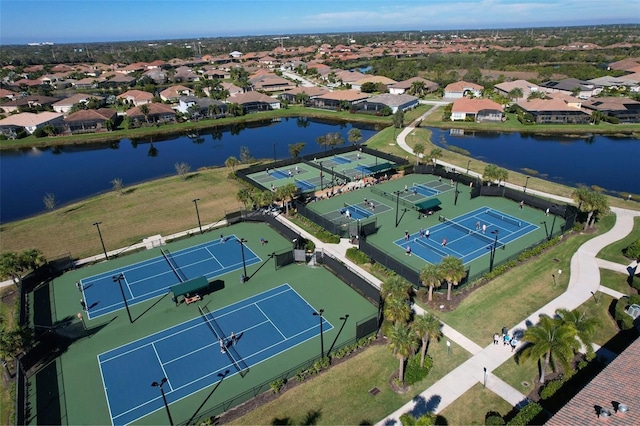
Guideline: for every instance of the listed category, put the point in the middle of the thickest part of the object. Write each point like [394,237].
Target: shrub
[355,255]
[633,251]
[277,385]
[414,373]
[551,388]
[493,418]
[526,415]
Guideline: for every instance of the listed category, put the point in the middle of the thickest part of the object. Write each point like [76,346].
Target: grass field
[614,251]
[471,408]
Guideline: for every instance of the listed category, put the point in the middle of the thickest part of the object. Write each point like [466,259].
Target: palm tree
[435,154]
[585,326]
[32,258]
[426,327]
[592,202]
[395,287]
[550,341]
[231,162]
[397,310]
[287,192]
[452,271]
[430,277]
[245,196]
[144,110]
[418,150]
[515,94]
[403,343]
[296,148]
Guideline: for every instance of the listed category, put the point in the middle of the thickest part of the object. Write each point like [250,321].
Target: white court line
[164,372]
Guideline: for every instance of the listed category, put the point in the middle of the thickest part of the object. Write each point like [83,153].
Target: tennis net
[303,184]
[504,217]
[167,256]
[360,210]
[425,190]
[240,365]
[392,196]
[429,246]
[473,233]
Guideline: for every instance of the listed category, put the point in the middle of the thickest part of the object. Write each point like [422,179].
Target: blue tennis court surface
[355,212]
[154,277]
[341,160]
[279,174]
[189,354]
[465,237]
[424,190]
[304,185]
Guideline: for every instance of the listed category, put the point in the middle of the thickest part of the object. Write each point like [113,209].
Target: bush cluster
[633,251]
[526,415]
[493,418]
[356,256]
[414,373]
[624,320]
[551,388]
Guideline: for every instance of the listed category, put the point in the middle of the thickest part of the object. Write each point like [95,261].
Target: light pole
[484,384]
[97,225]
[455,199]
[333,179]
[468,163]
[274,154]
[164,398]
[241,241]
[195,201]
[525,184]
[321,186]
[118,278]
[397,205]
[319,315]
[553,223]
[546,230]
[493,250]
[448,347]
[554,279]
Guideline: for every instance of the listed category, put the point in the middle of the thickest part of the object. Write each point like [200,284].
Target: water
[605,161]
[72,173]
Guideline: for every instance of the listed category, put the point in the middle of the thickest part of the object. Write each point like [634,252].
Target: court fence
[203,418]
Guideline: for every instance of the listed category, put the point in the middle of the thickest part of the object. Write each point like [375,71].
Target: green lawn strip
[523,290]
[340,395]
[473,405]
[613,252]
[607,328]
[7,405]
[616,281]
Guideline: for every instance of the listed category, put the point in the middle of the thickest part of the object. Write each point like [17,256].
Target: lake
[72,173]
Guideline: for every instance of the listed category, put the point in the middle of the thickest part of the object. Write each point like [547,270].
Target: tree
[395,287]
[232,162]
[117,186]
[50,201]
[144,110]
[515,94]
[452,271]
[550,341]
[245,155]
[287,192]
[397,310]
[490,173]
[355,135]
[418,150]
[245,196]
[427,327]
[398,119]
[403,343]
[430,277]
[593,202]
[435,154]
[182,169]
[296,148]
[13,265]
[417,88]
[585,326]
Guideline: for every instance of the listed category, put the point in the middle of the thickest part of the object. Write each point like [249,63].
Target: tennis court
[190,357]
[154,277]
[468,236]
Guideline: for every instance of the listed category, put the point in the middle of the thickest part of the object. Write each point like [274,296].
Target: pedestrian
[222,347]
[222,238]
[415,191]
[406,188]
[79,286]
[521,204]
[233,338]
[496,338]
[477,225]
[347,213]
[267,171]
[406,235]
[422,232]
[514,343]
[289,173]
[506,340]
[297,170]
[484,228]
[439,178]
[427,233]
[263,241]
[273,187]
[84,305]
[444,242]
[451,182]
[546,212]
[408,251]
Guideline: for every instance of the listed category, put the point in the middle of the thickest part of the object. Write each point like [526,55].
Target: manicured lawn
[471,408]
[614,251]
[616,281]
[340,396]
[7,405]
[510,298]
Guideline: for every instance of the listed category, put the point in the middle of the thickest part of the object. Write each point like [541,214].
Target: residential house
[478,110]
[117,80]
[29,121]
[625,82]
[229,87]
[376,104]
[404,86]
[292,96]
[270,83]
[506,87]
[91,120]
[65,104]
[28,102]
[348,77]
[624,109]
[171,94]
[86,83]
[254,102]
[550,111]
[375,79]
[610,398]
[626,64]
[158,113]
[8,94]
[571,86]
[136,97]
[204,107]
[461,89]
[185,74]
[340,99]
[159,76]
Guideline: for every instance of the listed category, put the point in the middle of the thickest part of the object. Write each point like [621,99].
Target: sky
[77,21]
